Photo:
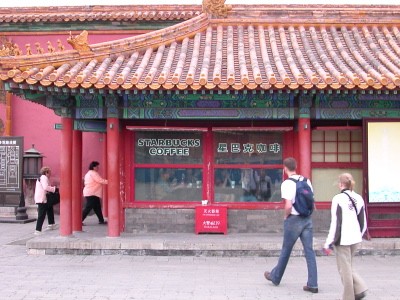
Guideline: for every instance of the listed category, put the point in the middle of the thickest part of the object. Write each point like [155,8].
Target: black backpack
[304,199]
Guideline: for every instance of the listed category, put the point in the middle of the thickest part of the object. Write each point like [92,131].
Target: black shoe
[361,295]
[103,223]
[267,276]
[310,289]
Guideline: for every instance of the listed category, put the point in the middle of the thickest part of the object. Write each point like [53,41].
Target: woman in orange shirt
[93,191]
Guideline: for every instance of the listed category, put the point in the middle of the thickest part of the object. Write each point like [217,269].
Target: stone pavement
[199,276]
[93,240]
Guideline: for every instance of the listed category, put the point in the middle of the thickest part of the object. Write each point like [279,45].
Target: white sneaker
[51,226]
[37,232]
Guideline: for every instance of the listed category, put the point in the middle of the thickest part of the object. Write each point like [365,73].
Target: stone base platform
[94,241]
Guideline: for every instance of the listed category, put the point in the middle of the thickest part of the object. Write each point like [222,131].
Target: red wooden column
[304,147]
[66,177]
[7,131]
[113,177]
[77,180]
[104,164]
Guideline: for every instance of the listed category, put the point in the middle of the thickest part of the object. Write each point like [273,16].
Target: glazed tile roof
[253,48]
[65,14]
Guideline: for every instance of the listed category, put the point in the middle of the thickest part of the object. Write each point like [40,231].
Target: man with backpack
[296,225]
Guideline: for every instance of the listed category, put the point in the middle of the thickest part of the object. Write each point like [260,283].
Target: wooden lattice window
[337,146]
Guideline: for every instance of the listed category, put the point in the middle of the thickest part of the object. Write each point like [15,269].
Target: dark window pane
[247,185]
[157,184]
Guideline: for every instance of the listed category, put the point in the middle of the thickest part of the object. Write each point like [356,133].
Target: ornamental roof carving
[79,42]
[263,47]
[216,7]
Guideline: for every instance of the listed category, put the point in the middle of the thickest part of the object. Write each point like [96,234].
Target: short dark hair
[290,163]
[93,164]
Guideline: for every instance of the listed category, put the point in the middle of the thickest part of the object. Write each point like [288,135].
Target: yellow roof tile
[282,48]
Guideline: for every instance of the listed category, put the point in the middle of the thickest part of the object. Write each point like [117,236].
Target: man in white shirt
[294,227]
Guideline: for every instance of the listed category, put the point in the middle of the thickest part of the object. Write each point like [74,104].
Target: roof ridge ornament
[8,47]
[4,51]
[216,8]
[79,42]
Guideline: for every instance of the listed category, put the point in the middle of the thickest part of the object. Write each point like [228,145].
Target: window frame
[338,164]
[325,203]
[208,172]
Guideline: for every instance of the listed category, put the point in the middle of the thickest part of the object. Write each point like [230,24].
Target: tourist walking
[42,188]
[93,191]
[348,224]
[294,227]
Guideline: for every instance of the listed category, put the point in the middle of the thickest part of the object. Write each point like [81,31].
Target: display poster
[11,159]
[383,162]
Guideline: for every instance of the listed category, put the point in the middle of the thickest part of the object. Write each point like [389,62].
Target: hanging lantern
[33,161]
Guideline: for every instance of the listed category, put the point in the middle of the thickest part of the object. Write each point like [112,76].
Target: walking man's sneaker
[310,289]
[361,295]
[37,232]
[267,276]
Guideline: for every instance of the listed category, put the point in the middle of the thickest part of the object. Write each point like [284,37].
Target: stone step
[186,244]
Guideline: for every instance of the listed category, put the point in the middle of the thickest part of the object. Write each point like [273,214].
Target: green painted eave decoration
[35,97]
[90,125]
[208,100]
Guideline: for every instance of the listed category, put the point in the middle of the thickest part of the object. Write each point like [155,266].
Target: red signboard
[211,219]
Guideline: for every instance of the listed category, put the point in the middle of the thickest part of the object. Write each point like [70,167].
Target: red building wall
[36,123]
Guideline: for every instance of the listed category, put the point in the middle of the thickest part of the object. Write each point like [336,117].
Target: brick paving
[25,275]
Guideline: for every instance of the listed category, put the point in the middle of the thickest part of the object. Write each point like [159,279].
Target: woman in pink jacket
[93,191]
[42,188]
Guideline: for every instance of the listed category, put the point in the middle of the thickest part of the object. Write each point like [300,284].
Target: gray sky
[26,3]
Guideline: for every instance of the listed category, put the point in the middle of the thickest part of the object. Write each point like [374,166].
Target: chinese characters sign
[11,156]
[211,219]
[244,147]
[229,147]
[248,148]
